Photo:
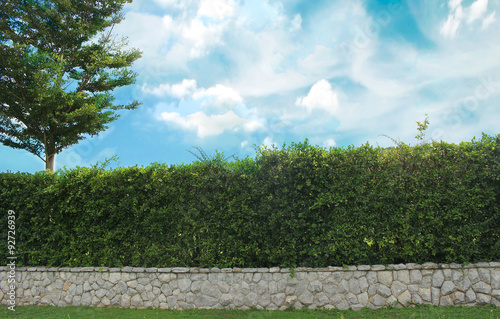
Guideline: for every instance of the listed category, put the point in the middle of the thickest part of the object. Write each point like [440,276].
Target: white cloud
[320,62]
[213,125]
[181,90]
[268,142]
[329,143]
[137,27]
[252,126]
[201,37]
[454,4]
[477,10]
[458,14]
[488,20]
[296,23]
[321,96]
[216,9]
[450,27]
[186,88]
[172,3]
[220,95]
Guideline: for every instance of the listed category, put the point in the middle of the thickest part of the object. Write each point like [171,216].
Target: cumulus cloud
[458,14]
[329,143]
[219,95]
[181,90]
[320,97]
[216,9]
[213,125]
[269,142]
[200,37]
[476,10]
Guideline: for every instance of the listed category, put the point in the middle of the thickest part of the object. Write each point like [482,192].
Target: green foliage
[422,128]
[59,65]
[300,205]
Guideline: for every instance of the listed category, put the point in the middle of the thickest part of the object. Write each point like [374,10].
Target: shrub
[300,205]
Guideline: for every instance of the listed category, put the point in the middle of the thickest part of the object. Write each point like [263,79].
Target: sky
[232,75]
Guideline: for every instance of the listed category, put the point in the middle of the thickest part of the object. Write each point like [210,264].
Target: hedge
[300,205]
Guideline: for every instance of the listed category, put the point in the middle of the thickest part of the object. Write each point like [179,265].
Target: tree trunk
[50,162]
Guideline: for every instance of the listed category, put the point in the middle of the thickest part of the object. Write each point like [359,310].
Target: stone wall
[268,288]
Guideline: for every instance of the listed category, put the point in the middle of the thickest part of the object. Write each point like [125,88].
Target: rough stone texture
[353,287]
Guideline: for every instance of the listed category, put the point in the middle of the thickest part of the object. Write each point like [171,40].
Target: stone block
[363,299]
[86,299]
[446,301]
[495,279]
[496,294]
[115,277]
[351,298]
[363,284]
[448,288]
[483,299]
[224,287]
[203,301]
[181,270]
[372,278]
[306,298]
[171,301]
[101,293]
[384,291]
[473,275]
[425,294]
[354,286]
[321,299]
[484,274]
[343,287]
[482,287]
[404,298]
[184,285]
[403,276]
[470,296]
[378,267]
[459,298]
[437,279]
[392,301]
[343,305]
[397,288]
[436,295]
[385,278]
[226,300]
[290,300]
[272,307]
[378,301]
[415,277]
[278,299]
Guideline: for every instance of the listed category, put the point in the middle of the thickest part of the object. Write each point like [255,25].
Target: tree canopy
[59,65]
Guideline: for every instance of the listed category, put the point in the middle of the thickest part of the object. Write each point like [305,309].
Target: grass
[48,312]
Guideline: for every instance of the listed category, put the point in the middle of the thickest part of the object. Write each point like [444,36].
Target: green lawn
[46,312]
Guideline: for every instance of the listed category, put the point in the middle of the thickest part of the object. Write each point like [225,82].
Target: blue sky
[230,74]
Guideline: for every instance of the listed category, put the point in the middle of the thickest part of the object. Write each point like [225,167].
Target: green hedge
[296,206]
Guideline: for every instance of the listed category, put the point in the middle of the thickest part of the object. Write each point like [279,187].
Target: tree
[59,65]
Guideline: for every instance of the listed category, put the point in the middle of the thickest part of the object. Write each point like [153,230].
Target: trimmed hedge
[296,206]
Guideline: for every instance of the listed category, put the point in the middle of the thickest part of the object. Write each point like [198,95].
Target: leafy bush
[296,206]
